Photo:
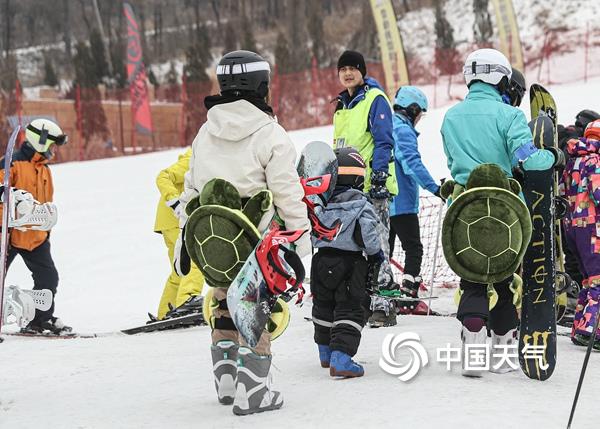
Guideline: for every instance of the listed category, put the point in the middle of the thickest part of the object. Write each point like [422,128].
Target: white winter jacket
[248,148]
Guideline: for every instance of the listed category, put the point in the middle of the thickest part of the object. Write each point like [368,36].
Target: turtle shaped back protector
[220,233]
[487,227]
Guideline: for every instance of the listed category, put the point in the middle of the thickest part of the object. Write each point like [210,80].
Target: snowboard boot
[342,365]
[224,358]
[409,289]
[504,353]
[192,305]
[324,355]
[253,386]
[384,312]
[52,326]
[473,336]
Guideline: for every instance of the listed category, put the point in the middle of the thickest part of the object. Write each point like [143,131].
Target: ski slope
[112,269]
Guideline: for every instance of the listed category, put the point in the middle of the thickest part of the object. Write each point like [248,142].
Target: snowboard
[4,237]
[254,291]
[192,319]
[537,339]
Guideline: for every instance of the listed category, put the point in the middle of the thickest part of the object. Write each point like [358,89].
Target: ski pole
[585,362]
[435,252]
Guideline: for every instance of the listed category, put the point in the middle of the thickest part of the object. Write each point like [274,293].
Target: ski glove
[24,201]
[378,189]
[376,258]
[181,258]
[559,158]
[177,207]
[438,194]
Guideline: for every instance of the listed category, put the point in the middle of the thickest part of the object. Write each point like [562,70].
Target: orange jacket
[30,173]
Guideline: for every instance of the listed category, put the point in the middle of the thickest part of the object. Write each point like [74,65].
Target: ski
[193,319]
[50,336]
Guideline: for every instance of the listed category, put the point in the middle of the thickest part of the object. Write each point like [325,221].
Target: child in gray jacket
[339,268]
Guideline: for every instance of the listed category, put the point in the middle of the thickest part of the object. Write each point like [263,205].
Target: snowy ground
[112,269]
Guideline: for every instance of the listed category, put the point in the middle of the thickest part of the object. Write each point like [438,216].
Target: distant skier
[177,290]
[581,185]
[339,268]
[485,128]
[363,120]
[409,106]
[242,143]
[30,172]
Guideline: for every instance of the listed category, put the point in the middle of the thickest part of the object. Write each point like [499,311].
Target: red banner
[136,75]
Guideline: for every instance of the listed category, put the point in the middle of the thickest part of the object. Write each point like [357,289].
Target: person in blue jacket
[409,106]
[486,128]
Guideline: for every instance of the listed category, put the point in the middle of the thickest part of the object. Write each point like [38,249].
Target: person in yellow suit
[170,184]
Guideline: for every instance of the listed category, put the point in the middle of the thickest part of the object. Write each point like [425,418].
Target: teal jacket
[483,129]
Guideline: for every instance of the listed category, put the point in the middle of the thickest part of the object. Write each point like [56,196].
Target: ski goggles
[486,69]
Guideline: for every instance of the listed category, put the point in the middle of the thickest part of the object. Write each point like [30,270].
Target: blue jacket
[483,129]
[379,124]
[410,171]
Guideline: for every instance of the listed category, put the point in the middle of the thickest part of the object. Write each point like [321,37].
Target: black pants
[44,274]
[337,282]
[406,227]
[474,303]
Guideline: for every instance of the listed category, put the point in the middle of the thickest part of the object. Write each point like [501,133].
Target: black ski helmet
[584,117]
[516,88]
[351,168]
[243,72]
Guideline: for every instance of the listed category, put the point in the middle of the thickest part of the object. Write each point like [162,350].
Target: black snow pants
[406,227]
[340,301]
[45,276]
[474,303]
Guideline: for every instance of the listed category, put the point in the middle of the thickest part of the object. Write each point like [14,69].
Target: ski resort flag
[508,31]
[390,43]
[136,75]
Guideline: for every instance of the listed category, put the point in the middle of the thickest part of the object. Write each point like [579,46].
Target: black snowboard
[537,340]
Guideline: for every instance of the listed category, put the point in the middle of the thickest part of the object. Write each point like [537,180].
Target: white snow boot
[224,357]
[504,353]
[253,387]
[473,350]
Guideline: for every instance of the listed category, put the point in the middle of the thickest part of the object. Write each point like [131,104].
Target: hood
[236,121]
[346,207]
[483,91]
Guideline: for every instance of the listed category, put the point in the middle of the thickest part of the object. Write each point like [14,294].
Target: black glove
[559,158]
[438,194]
[378,189]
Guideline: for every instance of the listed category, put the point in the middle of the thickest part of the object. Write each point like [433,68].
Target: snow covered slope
[112,269]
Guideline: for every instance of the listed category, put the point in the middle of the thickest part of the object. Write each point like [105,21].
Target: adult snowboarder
[363,120]
[30,173]
[485,128]
[242,143]
[409,105]
[339,268]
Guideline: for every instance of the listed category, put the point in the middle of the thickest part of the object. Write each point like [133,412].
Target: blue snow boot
[324,355]
[342,365]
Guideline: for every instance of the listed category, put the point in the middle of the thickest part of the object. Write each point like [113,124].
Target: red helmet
[592,131]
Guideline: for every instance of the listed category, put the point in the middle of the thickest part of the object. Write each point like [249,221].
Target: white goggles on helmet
[475,69]
[243,68]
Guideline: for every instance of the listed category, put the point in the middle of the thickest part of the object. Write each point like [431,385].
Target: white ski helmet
[486,65]
[42,133]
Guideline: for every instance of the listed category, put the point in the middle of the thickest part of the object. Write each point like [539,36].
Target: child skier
[363,120]
[409,105]
[485,128]
[242,143]
[339,268]
[30,172]
[581,186]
